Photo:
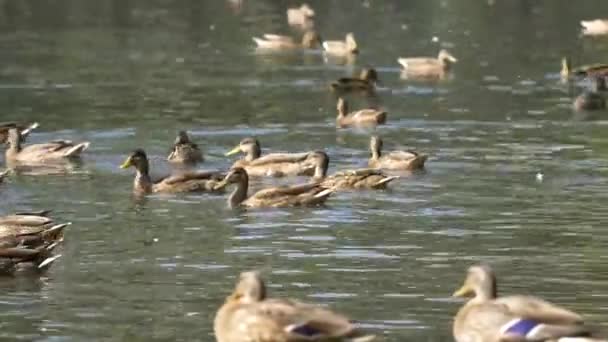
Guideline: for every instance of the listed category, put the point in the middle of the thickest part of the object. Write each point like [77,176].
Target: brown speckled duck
[395,160]
[185,151]
[486,317]
[41,153]
[15,256]
[248,315]
[310,40]
[362,117]
[366,82]
[31,229]
[24,130]
[428,67]
[194,181]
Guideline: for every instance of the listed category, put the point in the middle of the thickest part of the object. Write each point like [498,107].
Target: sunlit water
[128,74]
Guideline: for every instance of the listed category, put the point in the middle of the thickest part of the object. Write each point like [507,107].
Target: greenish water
[128,74]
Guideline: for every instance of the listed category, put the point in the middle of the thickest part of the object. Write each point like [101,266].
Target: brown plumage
[342,48]
[185,151]
[31,229]
[427,67]
[24,130]
[310,40]
[395,160]
[366,82]
[40,153]
[363,117]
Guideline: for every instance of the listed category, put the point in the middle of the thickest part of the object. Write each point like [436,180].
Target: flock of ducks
[27,240]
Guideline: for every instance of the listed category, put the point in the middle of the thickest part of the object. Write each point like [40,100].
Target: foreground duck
[349,179]
[16,257]
[184,151]
[248,315]
[274,164]
[366,82]
[592,70]
[395,160]
[24,130]
[39,153]
[310,40]
[428,67]
[342,48]
[489,318]
[284,196]
[362,118]
[195,181]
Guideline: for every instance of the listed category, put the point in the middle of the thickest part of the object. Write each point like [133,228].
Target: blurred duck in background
[342,48]
[595,27]
[427,67]
[275,42]
[366,82]
[592,98]
[301,17]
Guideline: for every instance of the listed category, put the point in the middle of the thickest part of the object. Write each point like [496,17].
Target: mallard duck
[595,27]
[395,160]
[40,153]
[591,99]
[310,40]
[428,66]
[274,164]
[195,181]
[366,81]
[350,179]
[14,256]
[300,16]
[25,130]
[184,150]
[568,71]
[31,229]
[341,48]
[284,196]
[362,117]
[488,318]
[248,315]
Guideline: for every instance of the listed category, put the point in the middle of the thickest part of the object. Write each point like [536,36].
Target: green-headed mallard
[341,48]
[300,16]
[595,27]
[24,130]
[284,196]
[489,318]
[40,153]
[31,229]
[248,315]
[194,181]
[395,160]
[592,99]
[428,67]
[362,117]
[310,40]
[366,82]
[274,164]
[349,179]
[184,150]
[597,69]
[15,256]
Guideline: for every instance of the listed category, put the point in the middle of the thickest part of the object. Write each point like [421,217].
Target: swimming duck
[195,181]
[25,130]
[395,160]
[310,40]
[248,315]
[592,99]
[40,153]
[16,257]
[274,164]
[595,27]
[341,48]
[349,179]
[184,150]
[428,67]
[31,229]
[300,16]
[366,81]
[597,69]
[284,196]
[489,318]
[363,117]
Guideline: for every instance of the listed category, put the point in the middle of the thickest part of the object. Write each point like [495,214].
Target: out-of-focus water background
[127,74]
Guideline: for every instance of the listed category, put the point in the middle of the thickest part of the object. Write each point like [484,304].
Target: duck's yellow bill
[126,164]
[233,151]
[462,292]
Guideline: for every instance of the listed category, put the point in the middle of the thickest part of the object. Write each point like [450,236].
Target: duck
[366,82]
[362,117]
[342,48]
[395,160]
[568,71]
[310,40]
[3,175]
[592,99]
[348,179]
[273,165]
[489,318]
[17,257]
[40,153]
[193,181]
[24,130]
[309,194]
[249,315]
[595,27]
[185,151]
[300,16]
[428,67]
[32,228]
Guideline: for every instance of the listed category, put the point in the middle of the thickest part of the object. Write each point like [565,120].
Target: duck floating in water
[595,27]
[427,67]
[366,82]
[361,118]
[275,42]
[395,160]
[592,99]
[342,48]
[184,151]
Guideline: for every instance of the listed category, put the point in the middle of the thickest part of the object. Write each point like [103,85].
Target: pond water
[129,74]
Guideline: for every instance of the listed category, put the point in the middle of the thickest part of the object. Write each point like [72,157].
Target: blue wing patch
[520,327]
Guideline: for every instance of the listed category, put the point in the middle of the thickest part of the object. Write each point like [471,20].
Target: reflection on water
[130,74]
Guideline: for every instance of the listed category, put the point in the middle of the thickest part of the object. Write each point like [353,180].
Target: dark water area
[129,74]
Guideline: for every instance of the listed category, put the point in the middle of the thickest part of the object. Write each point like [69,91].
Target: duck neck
[239,194]
[142,182]
[253,154]
[320,172]
[376,153]
[485,293]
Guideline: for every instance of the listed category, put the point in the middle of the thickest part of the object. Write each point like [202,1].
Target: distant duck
[342,48]
[366,81]
[41,153]
[567,71]
[395,160]
[595,27]
[184,150]
[428,67]
[300,16]
[592,99]
[310,40]
[362,117]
